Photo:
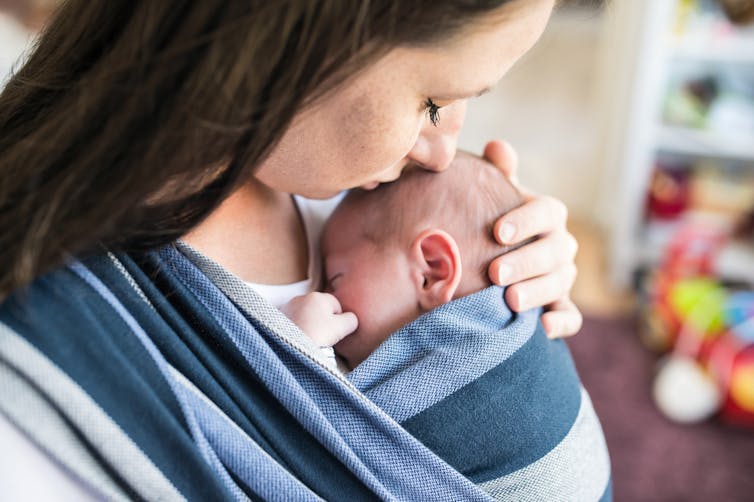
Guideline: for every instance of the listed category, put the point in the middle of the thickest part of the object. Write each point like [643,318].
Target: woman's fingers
[540,215]
[504,157]
[542,272]
[564,319]
[543,290]
[539,258]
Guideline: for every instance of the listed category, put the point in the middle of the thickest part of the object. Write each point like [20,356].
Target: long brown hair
[133,119]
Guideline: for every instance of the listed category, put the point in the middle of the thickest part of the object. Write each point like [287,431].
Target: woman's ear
[437,265]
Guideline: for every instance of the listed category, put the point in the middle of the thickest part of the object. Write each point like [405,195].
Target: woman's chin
[370,186]
[320,195]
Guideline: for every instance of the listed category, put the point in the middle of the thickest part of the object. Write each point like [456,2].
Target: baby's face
[369,280]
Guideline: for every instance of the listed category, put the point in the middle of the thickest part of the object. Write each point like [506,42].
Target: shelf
[705,143]
[735,50]
[665,43]
[708,35]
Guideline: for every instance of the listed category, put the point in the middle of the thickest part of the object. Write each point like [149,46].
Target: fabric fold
[217,392]
[486,390]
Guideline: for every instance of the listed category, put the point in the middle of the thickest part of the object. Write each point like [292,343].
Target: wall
[546,107]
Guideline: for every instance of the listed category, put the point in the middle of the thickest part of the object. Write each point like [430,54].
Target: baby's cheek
[356,300]
[348,295]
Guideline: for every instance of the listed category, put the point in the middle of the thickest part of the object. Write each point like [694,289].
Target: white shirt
[314,214]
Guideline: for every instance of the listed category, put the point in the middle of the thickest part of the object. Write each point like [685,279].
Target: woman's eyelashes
[433,111]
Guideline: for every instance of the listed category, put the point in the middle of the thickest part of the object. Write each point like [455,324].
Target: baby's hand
[321,318]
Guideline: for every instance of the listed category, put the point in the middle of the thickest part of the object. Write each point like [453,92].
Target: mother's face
[368,130]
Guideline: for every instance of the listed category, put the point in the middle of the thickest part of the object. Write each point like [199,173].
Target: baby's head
[393,253]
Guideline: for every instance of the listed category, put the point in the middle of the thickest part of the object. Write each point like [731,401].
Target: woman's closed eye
[433,110]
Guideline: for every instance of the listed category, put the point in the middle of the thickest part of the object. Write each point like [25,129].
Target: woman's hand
[541,273]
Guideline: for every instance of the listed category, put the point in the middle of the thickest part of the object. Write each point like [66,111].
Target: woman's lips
[374,184]
[388,179]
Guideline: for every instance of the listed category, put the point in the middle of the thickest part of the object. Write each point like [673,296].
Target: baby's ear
[436,262]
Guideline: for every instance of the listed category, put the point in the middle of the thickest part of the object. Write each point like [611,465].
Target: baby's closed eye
[332,282]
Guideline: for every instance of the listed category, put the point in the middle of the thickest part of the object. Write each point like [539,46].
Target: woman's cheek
[393,140]
[412,130]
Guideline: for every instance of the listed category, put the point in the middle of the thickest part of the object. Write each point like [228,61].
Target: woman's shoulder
[96,339]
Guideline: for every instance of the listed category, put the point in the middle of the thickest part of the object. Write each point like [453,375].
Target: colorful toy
[674,289]
[739,313]
[740,404]
[731,361]
[684,392]
[668,195]
[710,371]
[709,331]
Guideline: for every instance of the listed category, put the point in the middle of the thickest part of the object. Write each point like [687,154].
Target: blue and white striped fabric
[374,447]
[212,401]
[166,378]
[489,393]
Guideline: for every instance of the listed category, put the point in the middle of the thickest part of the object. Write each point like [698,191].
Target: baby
[411,312]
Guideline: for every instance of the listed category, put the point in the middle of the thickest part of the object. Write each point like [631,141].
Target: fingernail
[503,273]
[506,232]
[521,299]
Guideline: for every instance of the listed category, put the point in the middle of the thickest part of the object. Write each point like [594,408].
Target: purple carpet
[653,458]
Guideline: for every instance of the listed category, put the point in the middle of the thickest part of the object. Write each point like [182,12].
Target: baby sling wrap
[143,378]
[161,376]
[486,390]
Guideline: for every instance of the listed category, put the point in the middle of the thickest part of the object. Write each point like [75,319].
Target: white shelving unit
[728,53]
[701,143]
[641,55]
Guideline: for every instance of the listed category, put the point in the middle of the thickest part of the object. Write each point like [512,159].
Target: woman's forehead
[468,65]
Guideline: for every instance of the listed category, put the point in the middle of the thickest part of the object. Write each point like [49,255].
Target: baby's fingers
[343,325]
[328,302]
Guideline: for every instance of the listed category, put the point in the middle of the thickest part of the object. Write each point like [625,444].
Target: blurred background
[639,115]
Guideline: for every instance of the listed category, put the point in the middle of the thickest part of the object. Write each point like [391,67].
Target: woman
[163,374]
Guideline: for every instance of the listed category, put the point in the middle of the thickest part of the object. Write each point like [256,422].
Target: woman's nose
[436,145]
